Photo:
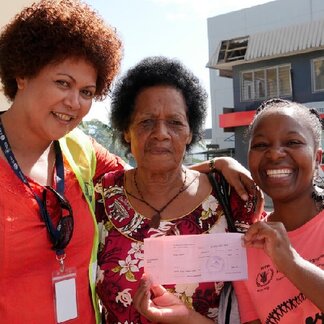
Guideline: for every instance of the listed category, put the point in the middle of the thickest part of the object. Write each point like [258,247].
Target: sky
[173,28]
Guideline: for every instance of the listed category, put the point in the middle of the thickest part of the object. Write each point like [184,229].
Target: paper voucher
[195,258]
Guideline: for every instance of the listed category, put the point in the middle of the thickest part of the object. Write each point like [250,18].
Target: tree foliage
[103,134]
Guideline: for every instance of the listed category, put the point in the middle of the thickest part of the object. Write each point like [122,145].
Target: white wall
[272,15]
[8,11]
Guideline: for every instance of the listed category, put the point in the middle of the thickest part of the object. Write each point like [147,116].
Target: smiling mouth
[63,117]
[278,173]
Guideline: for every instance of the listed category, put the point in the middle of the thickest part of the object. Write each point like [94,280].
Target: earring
[318,180]
[318,189]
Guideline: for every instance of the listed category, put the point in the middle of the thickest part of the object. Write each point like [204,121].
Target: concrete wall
[8,11]
[272,15]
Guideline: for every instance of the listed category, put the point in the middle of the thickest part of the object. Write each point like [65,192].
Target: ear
[127,136]
[319,154]
[21,81]
[189,138]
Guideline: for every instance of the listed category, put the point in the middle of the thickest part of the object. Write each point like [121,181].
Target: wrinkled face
[159,130]
[58,97]
[282,156]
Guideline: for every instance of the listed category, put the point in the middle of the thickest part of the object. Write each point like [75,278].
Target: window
[318,74]
[266,83]
[233,49]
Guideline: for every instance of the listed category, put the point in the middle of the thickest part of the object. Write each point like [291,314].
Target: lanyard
[59,166]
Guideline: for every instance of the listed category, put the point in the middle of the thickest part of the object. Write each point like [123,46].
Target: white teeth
[278,173]
[63,116]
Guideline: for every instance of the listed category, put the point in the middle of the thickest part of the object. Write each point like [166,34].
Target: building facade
[270,50]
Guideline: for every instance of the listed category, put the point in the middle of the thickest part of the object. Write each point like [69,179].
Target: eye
[87,94]
[294,143]
[62,83]
[259,146]
[147,123]
[175,122]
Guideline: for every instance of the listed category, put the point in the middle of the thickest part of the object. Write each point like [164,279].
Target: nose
[276,152]
[72,100]
[161,130]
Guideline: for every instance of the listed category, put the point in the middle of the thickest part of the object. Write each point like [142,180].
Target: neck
[36,158]
[159,183]
[294,214]
[157,202]
[22,139]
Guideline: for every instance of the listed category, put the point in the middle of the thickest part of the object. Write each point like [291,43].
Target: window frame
[314,90]
[253,83]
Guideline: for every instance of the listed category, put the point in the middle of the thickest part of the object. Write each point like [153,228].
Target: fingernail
[244,197]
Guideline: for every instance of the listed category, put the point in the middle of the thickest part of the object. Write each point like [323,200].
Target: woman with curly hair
[158,109]
[55,58]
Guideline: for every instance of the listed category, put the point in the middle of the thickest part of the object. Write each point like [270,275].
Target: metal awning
[289,40]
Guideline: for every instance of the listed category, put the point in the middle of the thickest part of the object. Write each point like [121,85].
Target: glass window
[272,84]
[266,83]
[318,74]
[284,81]
[247,86]
[259,84]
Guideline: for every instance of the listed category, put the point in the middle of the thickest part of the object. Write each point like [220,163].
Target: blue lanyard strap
[54,232]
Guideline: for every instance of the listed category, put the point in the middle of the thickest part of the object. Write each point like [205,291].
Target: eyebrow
[256,135]
[71,77]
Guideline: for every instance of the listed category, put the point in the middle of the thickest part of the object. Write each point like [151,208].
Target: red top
[26,258]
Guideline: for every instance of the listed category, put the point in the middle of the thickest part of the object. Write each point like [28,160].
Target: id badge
[65,297]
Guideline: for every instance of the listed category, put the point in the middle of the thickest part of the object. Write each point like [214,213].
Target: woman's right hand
[164,307]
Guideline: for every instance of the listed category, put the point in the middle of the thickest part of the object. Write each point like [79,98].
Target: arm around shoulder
[106,161]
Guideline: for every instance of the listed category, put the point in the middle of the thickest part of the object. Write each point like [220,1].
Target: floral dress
[121,260]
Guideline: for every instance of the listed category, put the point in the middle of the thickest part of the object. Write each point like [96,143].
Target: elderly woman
[158,109]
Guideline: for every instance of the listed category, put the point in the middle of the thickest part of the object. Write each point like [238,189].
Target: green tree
[103,134]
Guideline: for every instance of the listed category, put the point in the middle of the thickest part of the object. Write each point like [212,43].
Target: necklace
[156,218]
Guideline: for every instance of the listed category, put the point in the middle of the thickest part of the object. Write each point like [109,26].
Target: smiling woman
[55,57]
[285,253]
[297,157]
[59,96]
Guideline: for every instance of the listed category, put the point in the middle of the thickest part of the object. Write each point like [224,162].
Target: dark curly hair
[154,71]
[50,31]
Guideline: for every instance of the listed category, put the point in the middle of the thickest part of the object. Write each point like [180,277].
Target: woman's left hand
[306,276]
[273,239]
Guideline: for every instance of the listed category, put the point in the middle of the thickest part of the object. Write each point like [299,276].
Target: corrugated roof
[284,41]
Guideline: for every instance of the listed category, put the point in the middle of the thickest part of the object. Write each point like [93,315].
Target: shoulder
[112,178]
